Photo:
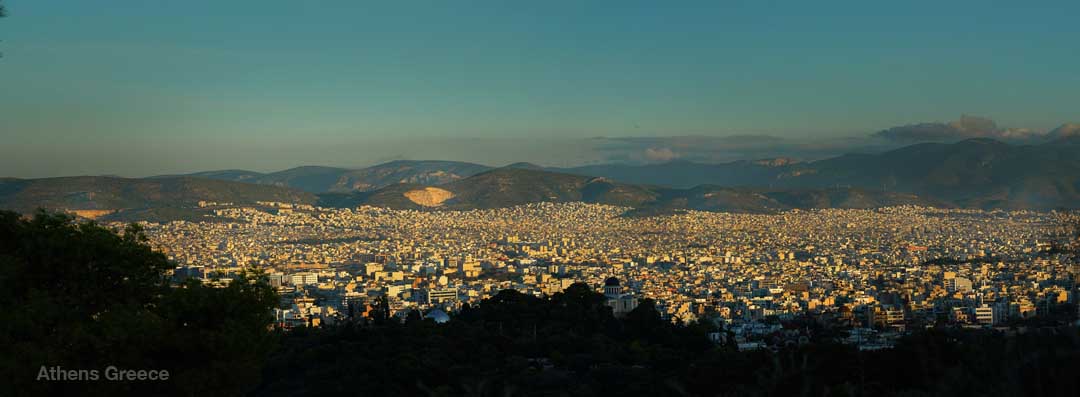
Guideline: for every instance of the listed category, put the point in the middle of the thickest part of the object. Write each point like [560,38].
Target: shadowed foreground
[82,296]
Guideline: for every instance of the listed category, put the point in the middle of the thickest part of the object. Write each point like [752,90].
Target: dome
[611,282]
[438,315]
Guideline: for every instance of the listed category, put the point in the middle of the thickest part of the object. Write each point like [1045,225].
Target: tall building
[275,279]
[894,315]
[299,279]
[470,268]
[438,296]
[990,314]
[958,284]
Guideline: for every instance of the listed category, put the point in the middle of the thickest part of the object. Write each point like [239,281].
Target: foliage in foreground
[81,296]
[568,344]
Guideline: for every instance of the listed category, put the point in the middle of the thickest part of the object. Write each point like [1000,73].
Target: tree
[218,336]
[413,317]
[80,296]
[381,313]
[645,320]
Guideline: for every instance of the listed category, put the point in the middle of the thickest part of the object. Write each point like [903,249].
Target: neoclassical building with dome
[619,301]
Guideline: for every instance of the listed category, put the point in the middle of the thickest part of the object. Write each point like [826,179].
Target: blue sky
[139,87]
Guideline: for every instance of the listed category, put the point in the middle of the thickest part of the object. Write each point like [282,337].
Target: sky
[145,87]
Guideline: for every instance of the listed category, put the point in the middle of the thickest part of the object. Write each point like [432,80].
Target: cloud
[1066,130]
[966,128]
[660,154]
[923,132]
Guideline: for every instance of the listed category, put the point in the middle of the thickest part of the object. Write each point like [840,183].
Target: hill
[225,175]
[725,199]
[975,173]
[317,179]
[119,198]
[407,171]
[687,174]
[506,187]
[314,179]
[514,186]
[978,173]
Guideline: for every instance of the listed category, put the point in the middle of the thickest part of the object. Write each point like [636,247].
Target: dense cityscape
[539,199]
[875,273]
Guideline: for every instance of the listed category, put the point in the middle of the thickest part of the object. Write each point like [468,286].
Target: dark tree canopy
[570,344]
[80,296]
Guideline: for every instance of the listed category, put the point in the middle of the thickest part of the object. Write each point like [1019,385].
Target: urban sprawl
[877,272]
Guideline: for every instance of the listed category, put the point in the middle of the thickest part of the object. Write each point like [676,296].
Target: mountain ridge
[115,198]
[973,173]
[321,179]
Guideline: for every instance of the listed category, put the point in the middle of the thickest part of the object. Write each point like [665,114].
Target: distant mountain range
[974,173]
[500,187]
[162,198]
[316,179]
[977,173]
[509,186]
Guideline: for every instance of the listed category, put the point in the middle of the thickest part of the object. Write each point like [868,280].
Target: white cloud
[660,154]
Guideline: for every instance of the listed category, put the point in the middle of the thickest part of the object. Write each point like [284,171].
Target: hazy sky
[139,87]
